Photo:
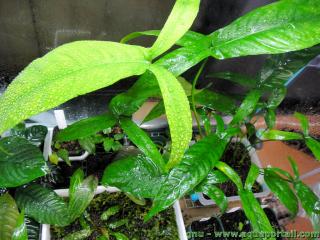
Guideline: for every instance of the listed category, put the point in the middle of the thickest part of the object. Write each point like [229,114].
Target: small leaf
[279,27]
[228,171]
[81,193]
[294,168]
[192,170]
[107,144]
[282,190]
[43,205]
[110,212]
[304,123]
[118,136]
[157,111]
[20,232]
[116,146]
[314,146]
[88,144]
[79,235]
[86,127]
[64,155]
[258,219]
[178,23]
[9,215]
[278,135]
[66,72]
[270,118]
[54,159]
[119,236]
[252,176]
[206,121]
[177,111]
[20,162]
[137,175]
[143,142]
[247,107]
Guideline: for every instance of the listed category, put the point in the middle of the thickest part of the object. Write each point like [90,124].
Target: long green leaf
[177,111]
[20,162]
[157,111]
[177,62]
[197,162]
[232,175]
[252,176]
[314,146]
[282,190]
[86,127]
[247,107]
[238,78]
[258,219]
[190,38]
[43,204]
[278,135]
[283,26]
[303,122]
[137,175]
[9,215]
[143,142]
[178,23]
[20,232]
[81,192]
[67,72]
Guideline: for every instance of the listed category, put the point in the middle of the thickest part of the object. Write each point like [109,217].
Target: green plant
[84,66]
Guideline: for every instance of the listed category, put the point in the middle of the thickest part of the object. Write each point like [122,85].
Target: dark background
[31,28]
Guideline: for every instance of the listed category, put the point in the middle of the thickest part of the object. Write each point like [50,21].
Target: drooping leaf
[247,107]
[282,190]
[294,167]
[137,175]
[190,38]
[252,176]
[63,154]
[178,23]
[254,212]
[43,204]
[9,215]
[81,192]
[232,175]
[314,146]
[177,112]
[20,232]
[143,142]
[20,162]
[278,135]
[197,162]
[279,27]
[237,78]
[66,72]
[177,62]
[86,127]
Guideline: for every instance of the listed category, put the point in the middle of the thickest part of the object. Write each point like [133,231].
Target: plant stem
[194,83]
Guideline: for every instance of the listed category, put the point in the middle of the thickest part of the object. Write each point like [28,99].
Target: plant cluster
[289,28]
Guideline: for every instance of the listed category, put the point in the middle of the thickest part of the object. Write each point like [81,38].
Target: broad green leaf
[20,232]
[238,78]
[252,176]
[282,190]
[177,112]
[197,162]
[190,38]
[314,146]
[247,107]
[278,69]
[81,192]
[43,205]
[215,177]
[86,127]
[306,196]
[215,101]
[9,215]
[232,175]
[178,23]
[278,135]
[20,162]
[143,142]
[282,172]
[251,207]
[177,62]
[36,133]
[137,175]
[279,27]
[304,123]
[66,72]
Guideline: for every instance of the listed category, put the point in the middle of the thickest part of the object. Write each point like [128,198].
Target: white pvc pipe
[60,118]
